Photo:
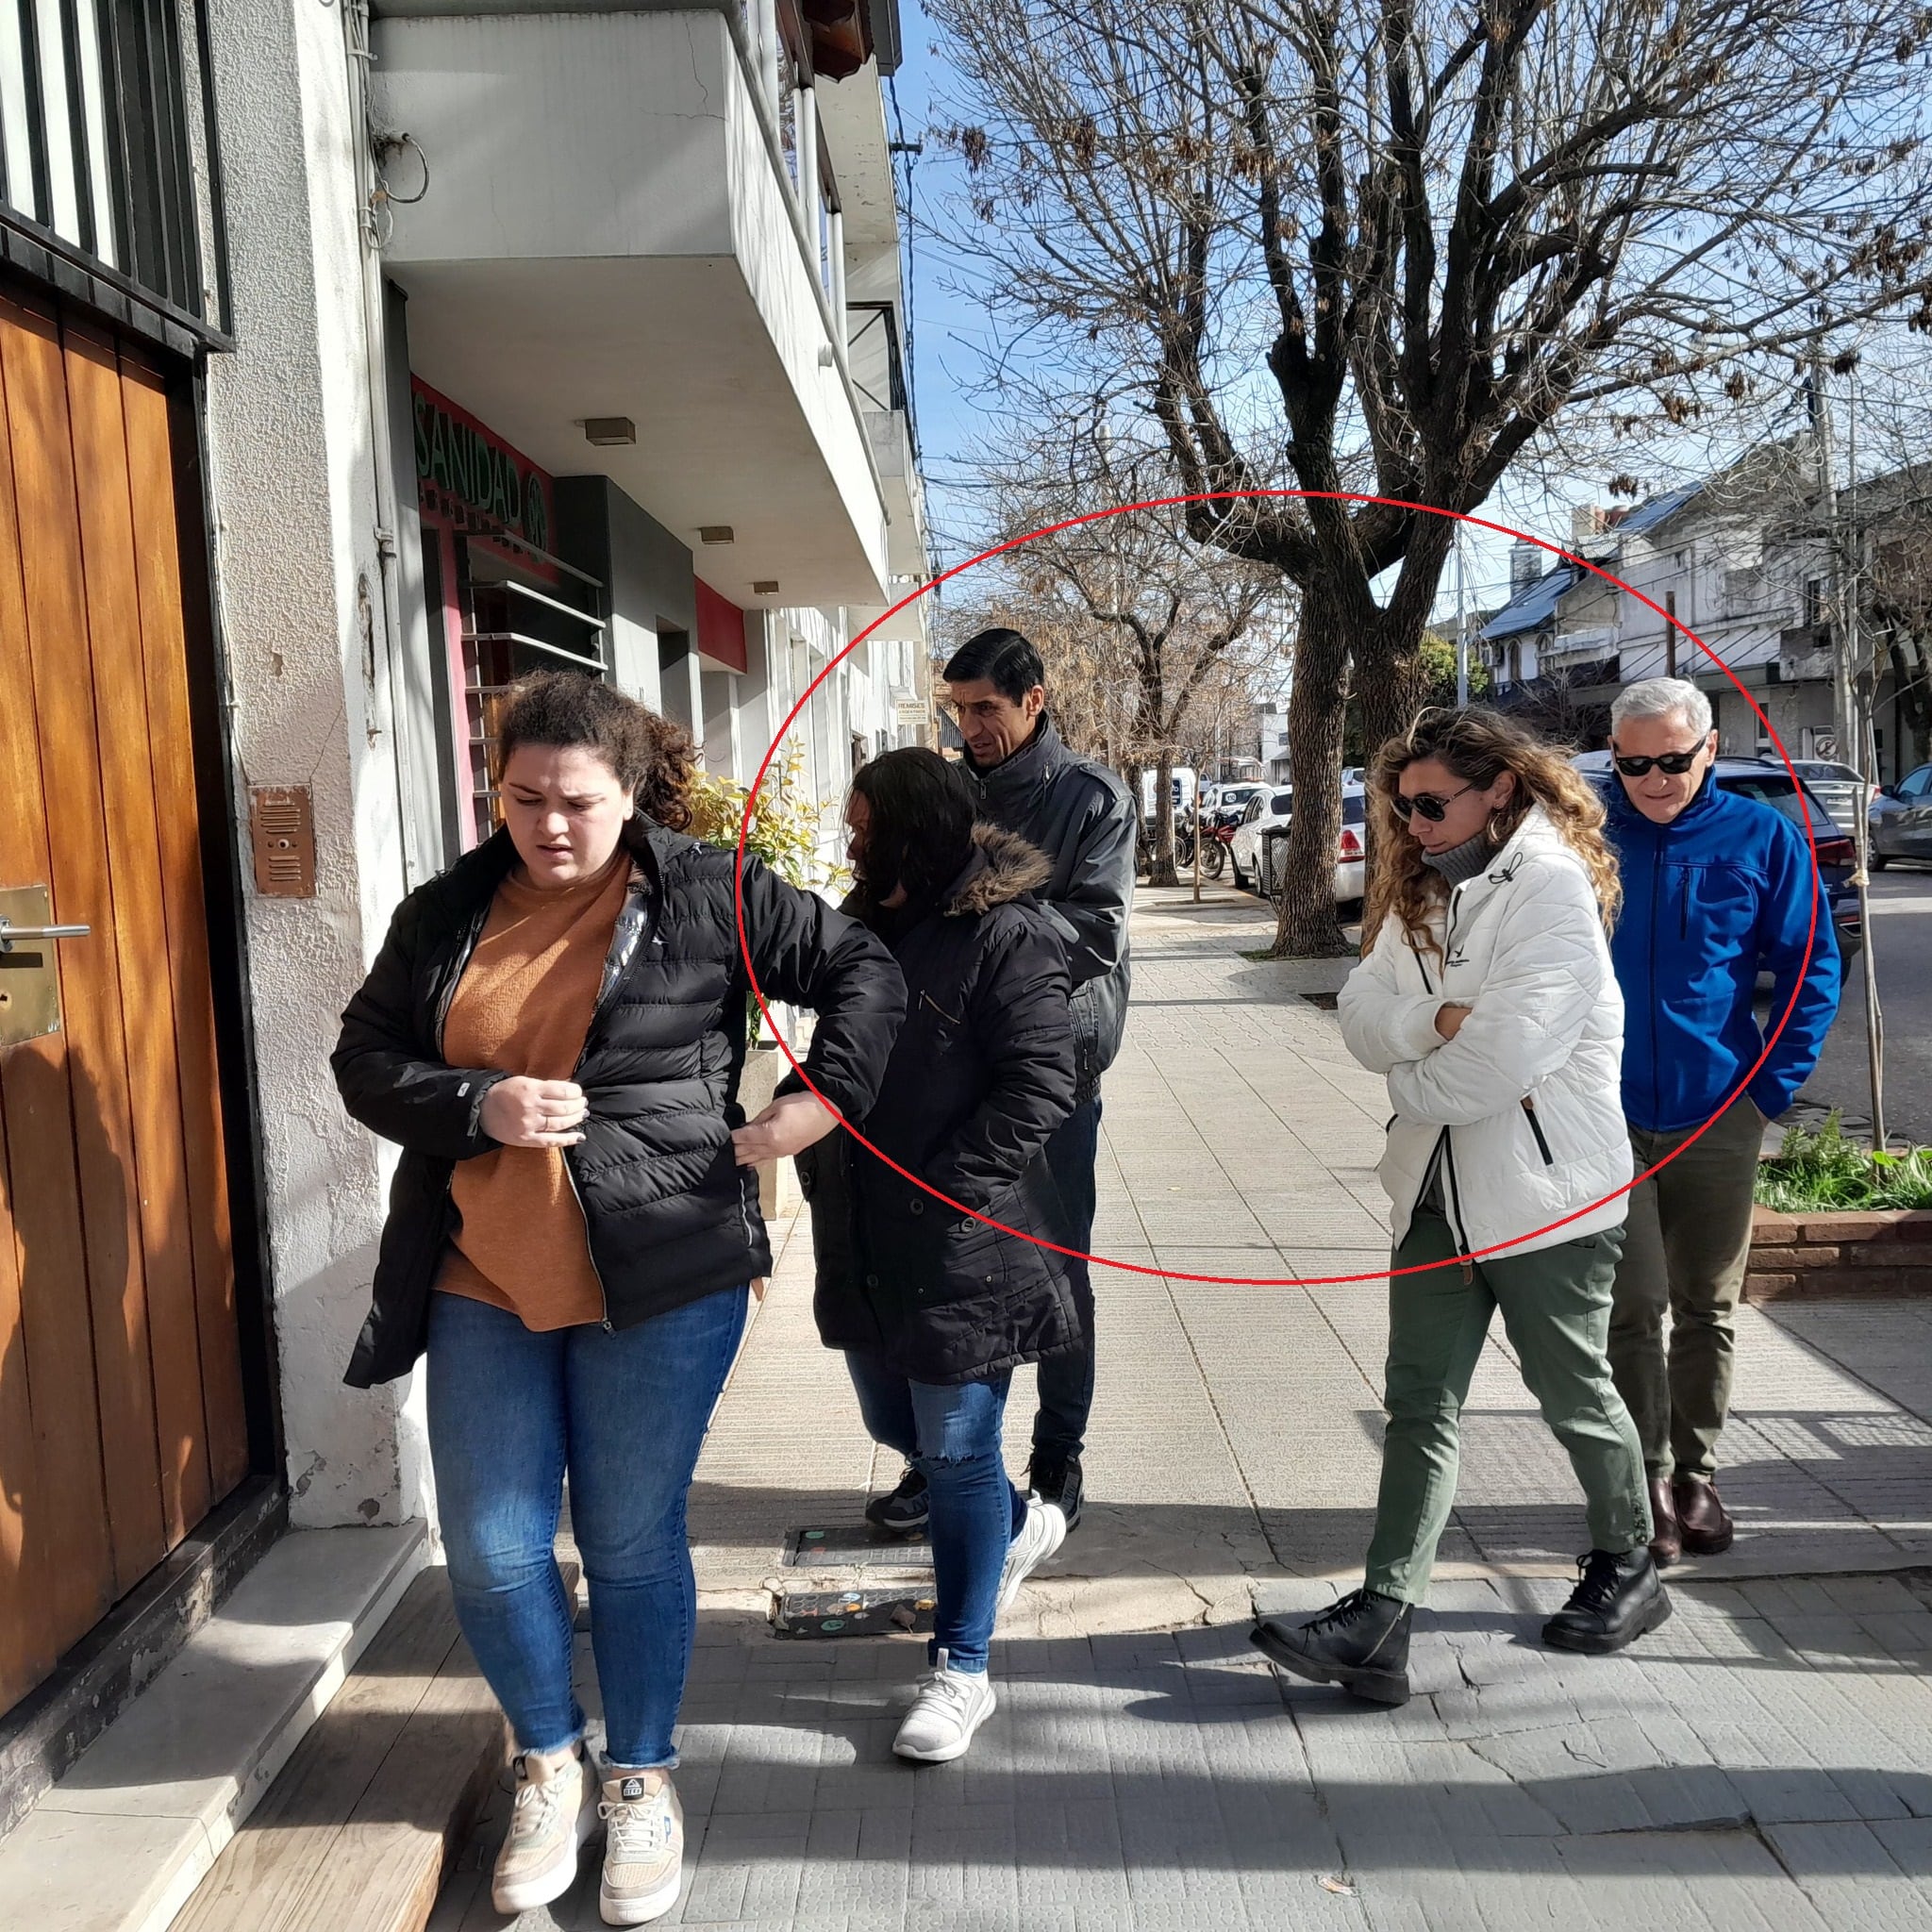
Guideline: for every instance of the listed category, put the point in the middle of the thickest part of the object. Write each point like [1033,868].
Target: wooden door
[121,1409]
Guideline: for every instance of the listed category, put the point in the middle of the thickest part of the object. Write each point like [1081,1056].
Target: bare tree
[1164,622]
[1392,247]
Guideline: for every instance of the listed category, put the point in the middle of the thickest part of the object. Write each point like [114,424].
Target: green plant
[1818,1171]
[785,833]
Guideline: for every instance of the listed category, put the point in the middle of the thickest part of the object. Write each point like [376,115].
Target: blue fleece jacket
[1725,890]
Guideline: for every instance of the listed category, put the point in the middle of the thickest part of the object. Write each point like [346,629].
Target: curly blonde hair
[1478,746]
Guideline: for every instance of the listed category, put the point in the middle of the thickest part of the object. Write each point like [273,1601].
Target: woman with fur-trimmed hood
[933,1304]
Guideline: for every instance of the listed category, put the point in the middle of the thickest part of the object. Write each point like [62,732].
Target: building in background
[1741,559]
[312,436]
[1271,740]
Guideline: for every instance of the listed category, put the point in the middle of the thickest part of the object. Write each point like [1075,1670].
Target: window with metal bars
[107,141]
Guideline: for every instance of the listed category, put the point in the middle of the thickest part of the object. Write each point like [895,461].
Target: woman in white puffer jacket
[1486,999]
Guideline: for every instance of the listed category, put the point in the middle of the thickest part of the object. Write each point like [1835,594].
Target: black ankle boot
[1362,1644]
[1616,1601]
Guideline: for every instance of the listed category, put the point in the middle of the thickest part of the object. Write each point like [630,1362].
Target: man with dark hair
[1078,814]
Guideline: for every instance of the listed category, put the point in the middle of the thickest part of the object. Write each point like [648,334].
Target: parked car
[1264,810]
[1772,785]
[1901,822]
[1226,802]
[1260,844]
[1840,789]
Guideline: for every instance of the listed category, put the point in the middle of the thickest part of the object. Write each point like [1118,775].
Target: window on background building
[1814,603]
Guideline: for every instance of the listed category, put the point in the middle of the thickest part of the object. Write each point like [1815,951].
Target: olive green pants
[1686,1243]
[1556,1306]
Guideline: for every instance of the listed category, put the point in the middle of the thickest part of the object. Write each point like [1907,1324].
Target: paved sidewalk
[1764,1760]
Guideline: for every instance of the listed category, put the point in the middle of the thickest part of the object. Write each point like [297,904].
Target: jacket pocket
[1535,1127]
[972,1259]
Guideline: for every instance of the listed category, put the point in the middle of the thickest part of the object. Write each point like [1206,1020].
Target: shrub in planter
[1821,1172]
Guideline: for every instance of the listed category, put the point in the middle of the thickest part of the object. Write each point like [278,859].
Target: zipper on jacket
[608,987]
[1454,1194]
[1656,871]
[478,919]
[1535,1127]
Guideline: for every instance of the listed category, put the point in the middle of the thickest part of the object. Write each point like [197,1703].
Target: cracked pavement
[1761,1761]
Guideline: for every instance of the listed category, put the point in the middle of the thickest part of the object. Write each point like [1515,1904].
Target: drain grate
[1325,1000]
[845,1545]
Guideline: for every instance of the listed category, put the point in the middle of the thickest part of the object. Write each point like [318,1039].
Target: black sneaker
[1057,1479]
[1362,1644]
[1616,1601]
[903,1512]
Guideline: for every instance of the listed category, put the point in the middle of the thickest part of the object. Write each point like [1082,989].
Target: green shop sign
[462,466]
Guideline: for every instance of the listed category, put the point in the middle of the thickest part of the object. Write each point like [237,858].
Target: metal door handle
[9,932]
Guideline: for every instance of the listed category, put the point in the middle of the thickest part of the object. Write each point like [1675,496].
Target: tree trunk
[1308,927]
[1911,663]
[1130,769]
[1163,872]
[1389,690]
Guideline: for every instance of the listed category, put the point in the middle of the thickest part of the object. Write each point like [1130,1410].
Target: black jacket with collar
[1080,814]
[981,1074]
[670,1214]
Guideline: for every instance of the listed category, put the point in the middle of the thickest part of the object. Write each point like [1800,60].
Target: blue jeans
[624,1414]
[951,1433]
[1066,1381]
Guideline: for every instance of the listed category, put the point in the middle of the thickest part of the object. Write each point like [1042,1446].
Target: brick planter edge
[1886,1251]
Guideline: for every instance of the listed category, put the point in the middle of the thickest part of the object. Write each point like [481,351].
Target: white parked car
[1260,844]
[1227,802]
[1266,809]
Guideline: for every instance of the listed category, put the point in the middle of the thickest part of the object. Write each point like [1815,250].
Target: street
[1901,938]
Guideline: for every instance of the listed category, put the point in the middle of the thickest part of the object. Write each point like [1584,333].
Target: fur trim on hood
[1004,867]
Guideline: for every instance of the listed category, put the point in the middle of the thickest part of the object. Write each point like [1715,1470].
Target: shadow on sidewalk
[1170,1760]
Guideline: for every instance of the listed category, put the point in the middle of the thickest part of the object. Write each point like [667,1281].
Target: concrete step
[122,1841]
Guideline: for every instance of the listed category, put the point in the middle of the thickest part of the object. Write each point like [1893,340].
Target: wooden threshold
[360,1826]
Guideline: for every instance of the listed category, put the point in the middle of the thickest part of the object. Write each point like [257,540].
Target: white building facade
[390,357]
[1744,573]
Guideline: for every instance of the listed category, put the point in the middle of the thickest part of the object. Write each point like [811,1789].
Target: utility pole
[1462,628]
[1844,721]
[1850,706]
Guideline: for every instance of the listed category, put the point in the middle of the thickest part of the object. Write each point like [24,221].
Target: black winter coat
[980,1076]
[1081,817]
[671,1215]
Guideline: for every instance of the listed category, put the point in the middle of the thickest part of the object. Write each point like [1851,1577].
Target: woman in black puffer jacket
[934,1307]
[553,1034]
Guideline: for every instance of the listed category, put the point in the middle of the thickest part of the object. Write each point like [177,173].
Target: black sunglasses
[1431,808]
[1674,762]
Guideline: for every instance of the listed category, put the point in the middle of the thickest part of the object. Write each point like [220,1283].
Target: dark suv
[1772,785]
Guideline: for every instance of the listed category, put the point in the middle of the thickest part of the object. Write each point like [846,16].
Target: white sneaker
[950,1707]
[554,1816]
[643,1853]
[1041,1535]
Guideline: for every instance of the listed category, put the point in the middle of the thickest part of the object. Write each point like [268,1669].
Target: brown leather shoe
[1666,1535]
[1704,1523]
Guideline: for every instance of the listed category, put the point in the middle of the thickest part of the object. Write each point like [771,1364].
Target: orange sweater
[523,1006]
